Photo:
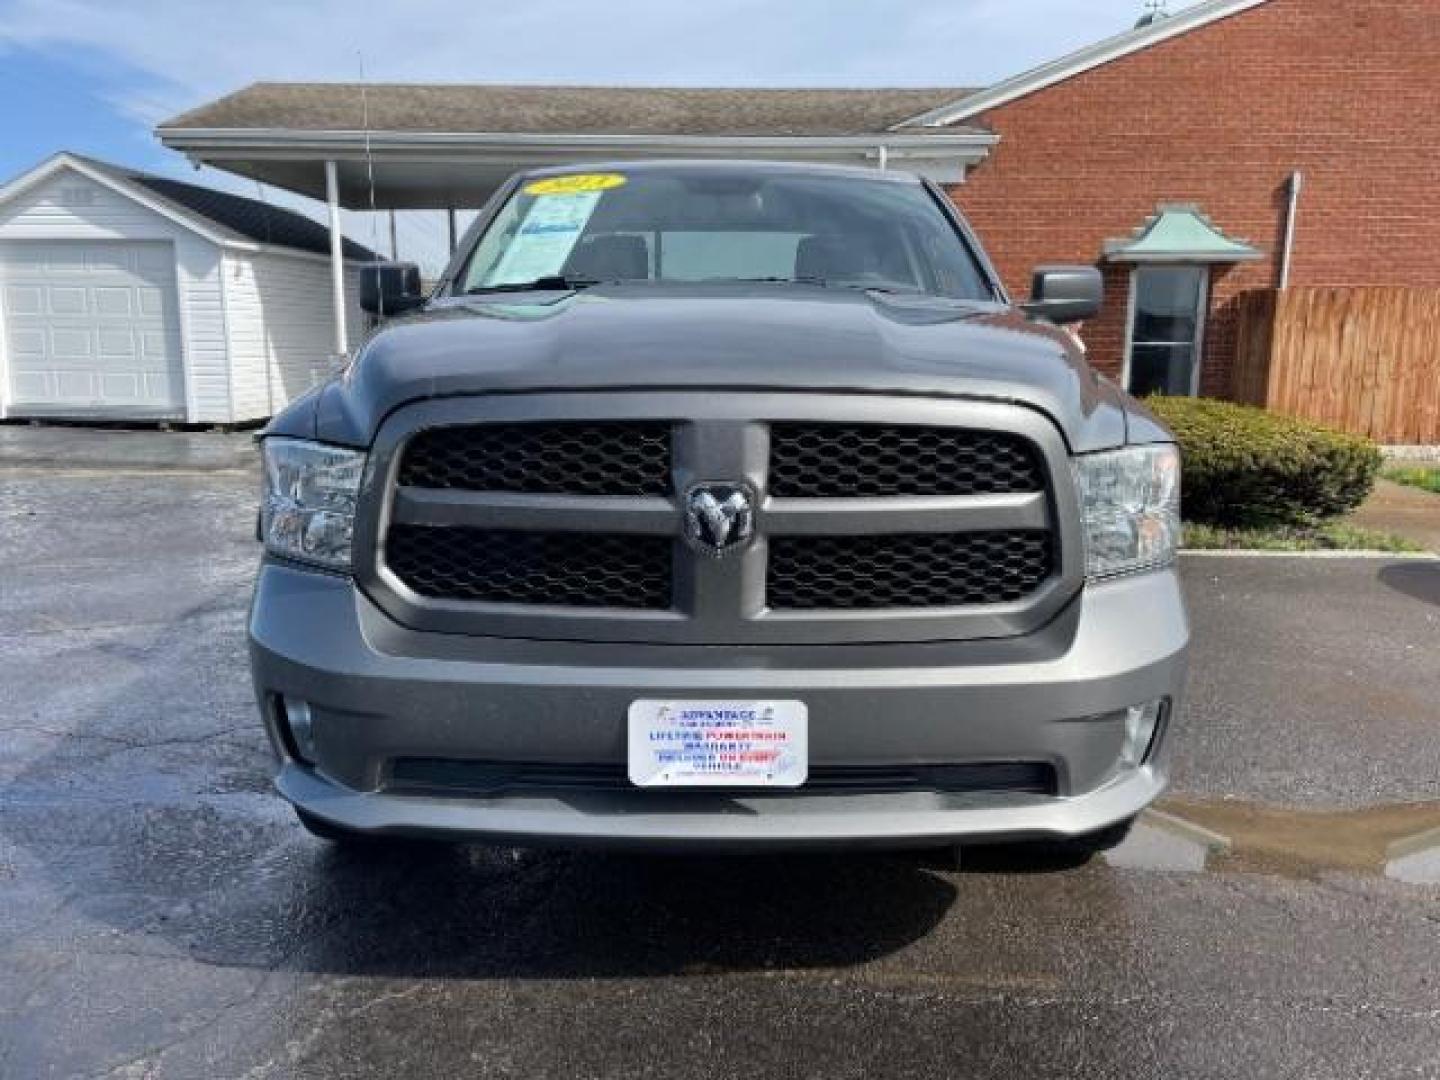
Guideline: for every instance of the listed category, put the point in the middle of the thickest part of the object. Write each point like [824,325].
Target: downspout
[1287,254]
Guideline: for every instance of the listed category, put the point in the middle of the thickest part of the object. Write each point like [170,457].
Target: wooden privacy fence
[1366,360]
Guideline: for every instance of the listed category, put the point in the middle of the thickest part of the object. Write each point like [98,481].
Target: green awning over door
[1180,234]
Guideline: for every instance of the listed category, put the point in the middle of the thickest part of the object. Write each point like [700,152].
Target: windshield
[702,224]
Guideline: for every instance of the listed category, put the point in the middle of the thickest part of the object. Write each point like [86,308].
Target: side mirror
[1065,294]
[390,288]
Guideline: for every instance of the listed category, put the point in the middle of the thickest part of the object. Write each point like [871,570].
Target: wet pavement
[161,915]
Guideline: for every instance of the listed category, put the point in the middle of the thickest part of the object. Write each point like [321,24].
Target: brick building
[1218,107]
[1175,156]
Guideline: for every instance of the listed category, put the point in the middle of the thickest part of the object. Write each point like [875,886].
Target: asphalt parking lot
[161,914]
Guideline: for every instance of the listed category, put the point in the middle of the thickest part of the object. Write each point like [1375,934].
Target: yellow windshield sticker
[574,185]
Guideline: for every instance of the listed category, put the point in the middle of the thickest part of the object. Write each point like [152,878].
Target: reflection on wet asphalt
[161,915]
[1415,859]
[1399,842]
[1162,842]
[1305,842]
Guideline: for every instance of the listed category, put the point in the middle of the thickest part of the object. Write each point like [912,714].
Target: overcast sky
[97,75]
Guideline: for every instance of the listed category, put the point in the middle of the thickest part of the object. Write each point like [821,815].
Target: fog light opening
[298,728]
[1142,729]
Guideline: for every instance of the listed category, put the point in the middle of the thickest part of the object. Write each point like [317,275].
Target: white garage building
[126,296]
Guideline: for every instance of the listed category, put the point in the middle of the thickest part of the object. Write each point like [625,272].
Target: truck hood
[756,337]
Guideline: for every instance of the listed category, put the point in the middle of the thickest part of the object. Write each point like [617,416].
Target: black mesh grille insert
[571,569]
[446,776]
[837,461]
[610,458]
[917,570]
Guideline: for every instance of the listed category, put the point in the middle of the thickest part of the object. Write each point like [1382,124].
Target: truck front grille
[507,516]
[609,458]
[920,571]
[836,461]
[586,570]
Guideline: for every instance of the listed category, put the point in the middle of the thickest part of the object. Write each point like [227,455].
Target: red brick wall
[1347,91]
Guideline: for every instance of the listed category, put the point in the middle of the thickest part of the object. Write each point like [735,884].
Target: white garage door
[91,329]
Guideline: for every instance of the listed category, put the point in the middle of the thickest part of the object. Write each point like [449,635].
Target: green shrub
[1245,466]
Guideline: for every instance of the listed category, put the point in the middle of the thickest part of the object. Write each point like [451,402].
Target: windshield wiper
[778,281]
[549,283]
[827,283]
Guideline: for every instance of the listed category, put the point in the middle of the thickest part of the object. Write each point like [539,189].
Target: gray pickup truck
[720,505]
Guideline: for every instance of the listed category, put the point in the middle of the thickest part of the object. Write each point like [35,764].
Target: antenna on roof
[1155,10]
[369,160]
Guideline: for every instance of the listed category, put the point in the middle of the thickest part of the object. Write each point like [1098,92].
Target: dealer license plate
[718,743]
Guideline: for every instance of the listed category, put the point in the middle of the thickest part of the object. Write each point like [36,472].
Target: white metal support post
[337,257]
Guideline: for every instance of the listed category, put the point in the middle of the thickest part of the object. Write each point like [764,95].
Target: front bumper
[378,691]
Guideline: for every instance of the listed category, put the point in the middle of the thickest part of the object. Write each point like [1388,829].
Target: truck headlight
[308,507]
[1130,508]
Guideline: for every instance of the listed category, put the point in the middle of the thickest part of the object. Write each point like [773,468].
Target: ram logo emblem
[719,518]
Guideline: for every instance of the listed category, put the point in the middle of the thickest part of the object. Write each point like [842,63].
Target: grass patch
[1425,477]
[1333,536]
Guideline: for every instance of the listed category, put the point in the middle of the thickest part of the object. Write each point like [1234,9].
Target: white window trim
[1202,319]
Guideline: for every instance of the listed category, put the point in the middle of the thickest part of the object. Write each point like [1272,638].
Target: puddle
[1164,842]
[1416,859]
[1401,842]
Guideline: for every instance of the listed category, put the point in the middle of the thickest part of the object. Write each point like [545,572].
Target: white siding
[70,206]
[280,327]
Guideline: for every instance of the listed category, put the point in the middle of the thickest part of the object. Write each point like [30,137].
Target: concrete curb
[1247,553]
[1411,453]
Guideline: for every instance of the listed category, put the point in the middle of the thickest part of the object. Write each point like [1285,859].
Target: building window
[1167,329]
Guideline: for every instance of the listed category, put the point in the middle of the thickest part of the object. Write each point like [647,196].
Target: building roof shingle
[607,110]
[251,219]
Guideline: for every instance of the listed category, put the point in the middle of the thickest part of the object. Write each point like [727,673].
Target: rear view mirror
[1065,294]
[390,288]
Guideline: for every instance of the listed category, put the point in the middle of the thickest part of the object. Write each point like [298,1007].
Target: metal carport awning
[450,170]
[429,170]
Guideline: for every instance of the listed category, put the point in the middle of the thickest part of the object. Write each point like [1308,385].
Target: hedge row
[1245,466]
